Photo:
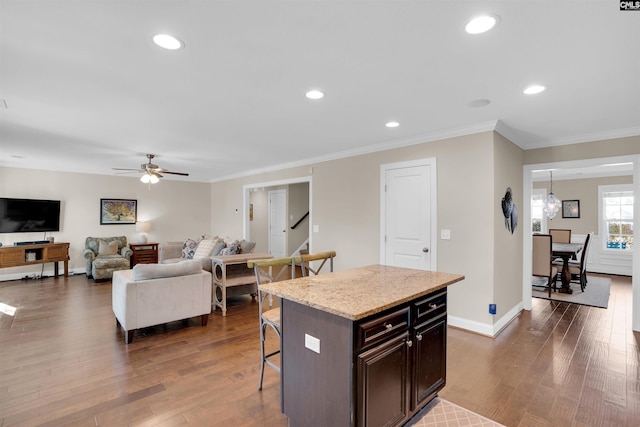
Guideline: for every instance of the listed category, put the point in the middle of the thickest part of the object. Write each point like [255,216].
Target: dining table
[566,251]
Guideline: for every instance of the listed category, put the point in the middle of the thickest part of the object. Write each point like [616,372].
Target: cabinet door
[430,360]
[382,397]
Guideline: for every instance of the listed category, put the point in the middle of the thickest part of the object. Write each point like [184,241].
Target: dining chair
[541,262]
[304,262]
[578,269]
[270,317]
[560,235]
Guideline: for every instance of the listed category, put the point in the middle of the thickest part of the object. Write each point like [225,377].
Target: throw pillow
[108,248]
[218,247]
[205,247]
[189,248]
[231,249]
[246,246]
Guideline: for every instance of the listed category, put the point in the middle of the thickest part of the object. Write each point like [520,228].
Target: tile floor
[441,413]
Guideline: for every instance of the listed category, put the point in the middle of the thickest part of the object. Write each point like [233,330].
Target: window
[538,222]
[616,215]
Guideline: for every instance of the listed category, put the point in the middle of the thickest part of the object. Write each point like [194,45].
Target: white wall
[176,210]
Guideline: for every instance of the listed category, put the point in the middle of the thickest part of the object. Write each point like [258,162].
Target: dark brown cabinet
[383,383]
[376,371]
[144,253]
[406,366]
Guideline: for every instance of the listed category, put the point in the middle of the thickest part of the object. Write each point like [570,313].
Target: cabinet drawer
[432,306]
[383,327]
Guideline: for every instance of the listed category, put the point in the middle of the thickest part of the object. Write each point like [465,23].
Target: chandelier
[551,203]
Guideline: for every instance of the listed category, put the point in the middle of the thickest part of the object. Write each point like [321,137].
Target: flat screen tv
[29,215]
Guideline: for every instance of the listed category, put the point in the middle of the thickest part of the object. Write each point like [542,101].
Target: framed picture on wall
[571,209]
[118,211]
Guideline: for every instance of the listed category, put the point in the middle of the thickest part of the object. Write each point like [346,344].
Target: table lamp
[142,227]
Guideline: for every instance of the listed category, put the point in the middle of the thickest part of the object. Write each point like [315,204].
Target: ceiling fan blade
[127,169]
[176,173]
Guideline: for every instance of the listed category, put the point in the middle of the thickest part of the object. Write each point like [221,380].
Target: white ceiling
[87,90]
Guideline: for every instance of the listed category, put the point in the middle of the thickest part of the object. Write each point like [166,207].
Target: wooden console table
[21,255]
[231,275]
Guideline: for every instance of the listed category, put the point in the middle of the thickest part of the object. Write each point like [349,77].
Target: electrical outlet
[312,343]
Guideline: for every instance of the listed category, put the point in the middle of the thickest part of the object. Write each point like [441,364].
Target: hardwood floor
[63,362]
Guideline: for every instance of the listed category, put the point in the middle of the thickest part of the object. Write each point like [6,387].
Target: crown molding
[389,145]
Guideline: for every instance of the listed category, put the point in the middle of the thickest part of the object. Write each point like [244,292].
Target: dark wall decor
[118,211]
[510,211]
[571,209]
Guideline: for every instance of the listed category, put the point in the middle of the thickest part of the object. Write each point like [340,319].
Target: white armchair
[153,294]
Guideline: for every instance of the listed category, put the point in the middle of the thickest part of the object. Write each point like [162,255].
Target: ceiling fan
[152,172]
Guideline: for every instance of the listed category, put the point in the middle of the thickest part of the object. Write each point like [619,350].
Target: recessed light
[167,41]
[534,89]
[479,103]
[481,24]
[315,94]
[392,124]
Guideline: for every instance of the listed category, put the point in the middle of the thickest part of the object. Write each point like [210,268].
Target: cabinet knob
[388,326]
[409,343]
[419,337]
[432,305]
[425,250]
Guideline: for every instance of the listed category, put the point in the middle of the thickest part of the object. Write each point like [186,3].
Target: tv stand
[21,255]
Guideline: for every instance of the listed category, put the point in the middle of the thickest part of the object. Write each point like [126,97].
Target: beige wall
[507,246]
[585,190]
[586,150]
[176,210]
[346,208]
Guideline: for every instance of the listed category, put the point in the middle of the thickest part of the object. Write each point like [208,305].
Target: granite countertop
[361,292]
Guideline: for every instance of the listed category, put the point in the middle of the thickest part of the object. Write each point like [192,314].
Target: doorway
[527,239]
[256,214]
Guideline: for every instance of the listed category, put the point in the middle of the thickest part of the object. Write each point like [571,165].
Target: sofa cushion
[156,271]
[189,248]
[108,248]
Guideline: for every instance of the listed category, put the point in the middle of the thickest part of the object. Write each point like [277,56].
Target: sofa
[104,255]
[202,249]
[153,294]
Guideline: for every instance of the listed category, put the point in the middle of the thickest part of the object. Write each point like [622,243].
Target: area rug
[596,294]
[442,413]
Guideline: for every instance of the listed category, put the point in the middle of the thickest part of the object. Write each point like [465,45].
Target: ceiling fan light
[153,178]
[145,178]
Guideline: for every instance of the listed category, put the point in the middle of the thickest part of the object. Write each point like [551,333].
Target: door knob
[425,250]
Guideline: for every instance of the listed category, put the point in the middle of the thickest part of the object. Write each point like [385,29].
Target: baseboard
[46,273]
[489,330]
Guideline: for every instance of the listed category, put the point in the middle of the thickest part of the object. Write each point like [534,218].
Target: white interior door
[278,223]
[408,214]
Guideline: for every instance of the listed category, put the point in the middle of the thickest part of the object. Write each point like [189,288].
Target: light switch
[445,234]
[316,228]
[312,343]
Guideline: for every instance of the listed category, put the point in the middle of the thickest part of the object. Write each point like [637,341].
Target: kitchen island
[362,347]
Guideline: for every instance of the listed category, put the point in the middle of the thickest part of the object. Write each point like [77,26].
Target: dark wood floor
[64,362]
